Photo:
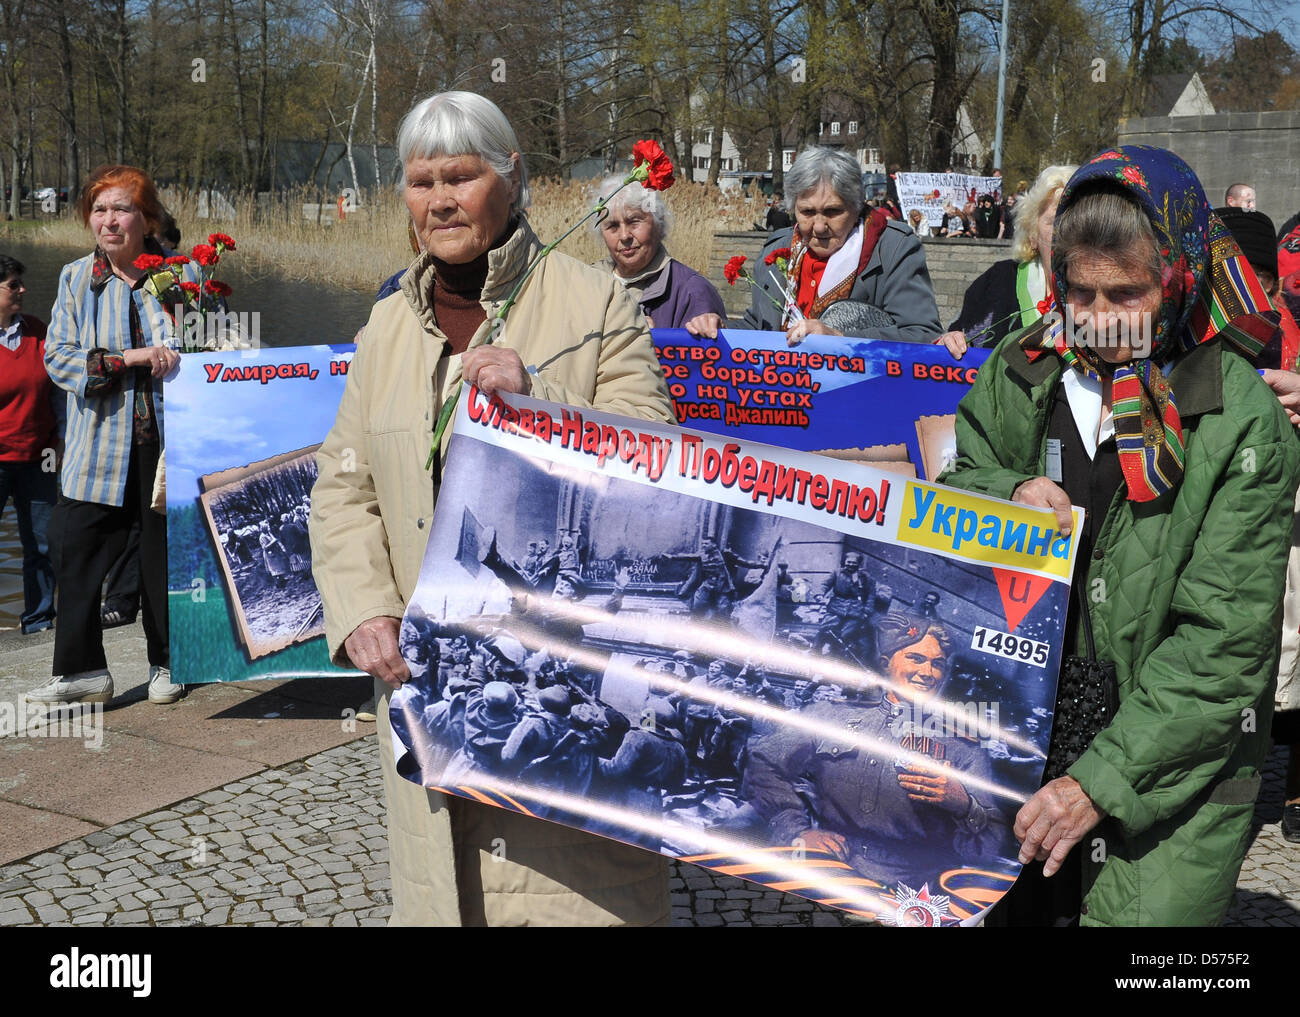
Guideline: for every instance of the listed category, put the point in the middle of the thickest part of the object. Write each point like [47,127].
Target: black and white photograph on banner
[257,516]
[849,718]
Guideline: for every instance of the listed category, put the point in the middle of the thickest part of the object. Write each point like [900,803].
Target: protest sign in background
[862,400]
[931,191]
[813,674]
[242,430]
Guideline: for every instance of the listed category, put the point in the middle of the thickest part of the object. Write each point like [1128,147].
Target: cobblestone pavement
[304,844]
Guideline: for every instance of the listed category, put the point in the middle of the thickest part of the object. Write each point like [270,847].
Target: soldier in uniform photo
[876,806]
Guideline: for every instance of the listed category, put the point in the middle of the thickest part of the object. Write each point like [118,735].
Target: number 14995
[1003,644]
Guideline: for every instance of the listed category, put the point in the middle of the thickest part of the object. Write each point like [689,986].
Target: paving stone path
[304,844]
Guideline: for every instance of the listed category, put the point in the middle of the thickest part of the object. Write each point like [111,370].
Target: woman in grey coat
[846,273]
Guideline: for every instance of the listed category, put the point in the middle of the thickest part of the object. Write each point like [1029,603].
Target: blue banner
[242,432]
[864,400]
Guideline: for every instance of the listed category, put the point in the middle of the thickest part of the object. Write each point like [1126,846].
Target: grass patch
[277,237]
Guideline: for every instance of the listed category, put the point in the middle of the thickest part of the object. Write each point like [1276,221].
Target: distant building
[1177,95]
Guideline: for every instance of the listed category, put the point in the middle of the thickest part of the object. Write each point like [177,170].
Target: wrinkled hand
[706,324]
[1054,820]
[955,342]
[823,840]
[1286,386]
[159,359]
[801,330]
[495,369]
[373,648]
[1043,493]
[935,787]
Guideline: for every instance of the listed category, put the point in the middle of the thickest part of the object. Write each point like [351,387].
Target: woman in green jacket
[1138,401]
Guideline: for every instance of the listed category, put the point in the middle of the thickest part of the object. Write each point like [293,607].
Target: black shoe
[1291,822]
[111,618]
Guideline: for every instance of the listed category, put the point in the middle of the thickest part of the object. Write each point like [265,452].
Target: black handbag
[1087,696]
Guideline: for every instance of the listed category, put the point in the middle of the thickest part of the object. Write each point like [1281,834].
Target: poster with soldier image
[780,666]
[257,517]
[242,432]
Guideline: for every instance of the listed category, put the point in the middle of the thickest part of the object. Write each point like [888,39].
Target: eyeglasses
[14,285]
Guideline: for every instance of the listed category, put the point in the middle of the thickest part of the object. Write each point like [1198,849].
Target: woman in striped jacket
[106,348]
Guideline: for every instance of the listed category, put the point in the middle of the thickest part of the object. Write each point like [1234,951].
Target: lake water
[292,314]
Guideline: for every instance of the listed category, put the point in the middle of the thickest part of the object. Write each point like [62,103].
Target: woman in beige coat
[572,336]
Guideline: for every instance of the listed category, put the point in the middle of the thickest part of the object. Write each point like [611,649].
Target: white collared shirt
[1084,396]
[11,337]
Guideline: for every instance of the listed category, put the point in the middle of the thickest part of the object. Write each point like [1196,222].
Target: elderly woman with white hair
[670,294]
[1012,294]
[573,336]
[847,273]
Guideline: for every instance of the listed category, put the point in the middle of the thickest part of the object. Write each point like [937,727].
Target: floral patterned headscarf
[1209,290]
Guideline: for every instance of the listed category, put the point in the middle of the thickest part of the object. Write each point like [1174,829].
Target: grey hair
[816,166]
[464,123]
[636,196]
[1049,184]
[1103,218]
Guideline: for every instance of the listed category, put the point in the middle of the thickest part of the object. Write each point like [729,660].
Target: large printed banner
[242,432]
[931,191]
[862,400]
[814,674]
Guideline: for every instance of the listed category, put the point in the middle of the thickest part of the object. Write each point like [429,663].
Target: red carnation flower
[732,270]
[205,254]
[217,288]
[192,288]
[221,241]
[934,193]
[148,262]
[660,172]
[780,254]
[178,259]
[1044,306]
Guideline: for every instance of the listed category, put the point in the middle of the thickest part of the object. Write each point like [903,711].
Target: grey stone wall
[1261,149]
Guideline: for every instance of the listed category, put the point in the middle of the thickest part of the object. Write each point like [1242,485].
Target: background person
[1240,196]
[669,294]
[1008,295]
[101,348]
[849,274]
[466,187]
[31,434]
[1185,543]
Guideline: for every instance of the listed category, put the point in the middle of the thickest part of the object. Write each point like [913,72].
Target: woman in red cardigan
[31,433]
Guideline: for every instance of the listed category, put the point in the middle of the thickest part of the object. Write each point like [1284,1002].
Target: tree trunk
[69,99]
[241,109]
[561,96]
[123,106]
[943,26]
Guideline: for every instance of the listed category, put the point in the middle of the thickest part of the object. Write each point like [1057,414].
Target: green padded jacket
[1185,594]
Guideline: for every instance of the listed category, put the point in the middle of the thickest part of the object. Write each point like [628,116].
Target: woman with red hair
[106,346]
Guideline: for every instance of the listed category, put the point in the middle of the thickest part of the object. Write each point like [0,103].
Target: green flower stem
[600,210]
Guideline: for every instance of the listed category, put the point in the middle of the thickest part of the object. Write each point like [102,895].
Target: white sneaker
[86,687]
[161,687]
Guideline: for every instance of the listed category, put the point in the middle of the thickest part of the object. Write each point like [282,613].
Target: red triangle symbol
[1020,592]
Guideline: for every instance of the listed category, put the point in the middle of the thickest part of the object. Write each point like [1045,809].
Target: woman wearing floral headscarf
[1142,406]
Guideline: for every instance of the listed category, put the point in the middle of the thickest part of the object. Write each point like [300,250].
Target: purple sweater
[678,295]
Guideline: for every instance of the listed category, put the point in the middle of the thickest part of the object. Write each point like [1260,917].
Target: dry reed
[284,237]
